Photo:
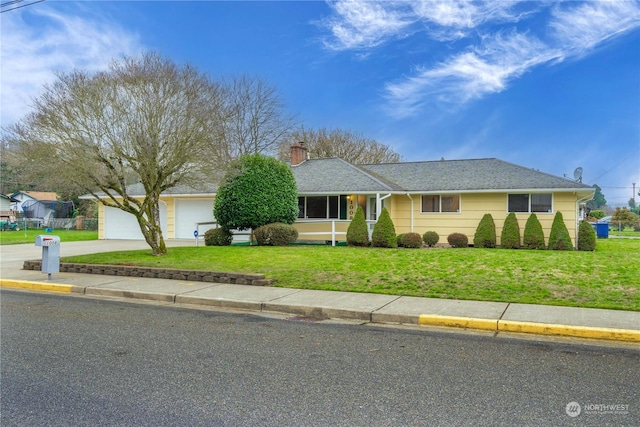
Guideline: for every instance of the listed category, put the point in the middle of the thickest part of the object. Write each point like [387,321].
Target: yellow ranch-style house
[445,196]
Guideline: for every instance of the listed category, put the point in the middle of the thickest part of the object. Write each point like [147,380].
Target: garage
[119,224]
[191,211]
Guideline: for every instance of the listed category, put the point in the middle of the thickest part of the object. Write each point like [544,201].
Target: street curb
[39,286]
[498,325]
[458,322]
[569,331]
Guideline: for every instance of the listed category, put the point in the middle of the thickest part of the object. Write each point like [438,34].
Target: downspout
[411,198]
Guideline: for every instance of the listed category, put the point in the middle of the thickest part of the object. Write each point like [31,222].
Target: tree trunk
[149,220]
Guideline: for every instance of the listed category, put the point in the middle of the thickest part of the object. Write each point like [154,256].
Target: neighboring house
[5,203]
[444,196]
[23,196]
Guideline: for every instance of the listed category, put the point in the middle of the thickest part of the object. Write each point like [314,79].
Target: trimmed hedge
[218,237]
[533,234]
[411,240]
[586,237]
[384,232]
[275,234]
[510,236]
[458,240]
[485,236]
[357,233]
[559,239]
[430,238]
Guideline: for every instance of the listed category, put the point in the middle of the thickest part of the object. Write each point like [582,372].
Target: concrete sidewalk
[491,316]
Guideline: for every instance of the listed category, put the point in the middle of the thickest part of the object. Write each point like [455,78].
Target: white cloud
[41,40]
[364,24]
[469,75]
[571,29]
[580,28]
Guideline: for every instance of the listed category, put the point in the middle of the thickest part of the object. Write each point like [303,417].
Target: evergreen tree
[533,234]
[384,232]
[357,233]
[485,236]
[510,237]
[559,239]
[586,237]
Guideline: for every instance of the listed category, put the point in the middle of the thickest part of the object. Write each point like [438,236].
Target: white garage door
[119,224]
[190,211]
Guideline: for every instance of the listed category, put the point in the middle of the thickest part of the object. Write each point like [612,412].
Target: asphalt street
[77,361]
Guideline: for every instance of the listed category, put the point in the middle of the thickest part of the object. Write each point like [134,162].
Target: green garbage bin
[602,230]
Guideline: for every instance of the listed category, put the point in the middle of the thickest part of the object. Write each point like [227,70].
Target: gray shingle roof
[336,175]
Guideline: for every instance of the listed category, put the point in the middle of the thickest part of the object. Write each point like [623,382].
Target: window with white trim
[437,203]
[322,207]
[530,203]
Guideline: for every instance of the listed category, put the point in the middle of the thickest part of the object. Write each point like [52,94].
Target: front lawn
[29,236]
[606,278]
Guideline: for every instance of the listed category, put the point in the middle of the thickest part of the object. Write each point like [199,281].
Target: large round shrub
[255,191]
[559,239]
[586,237]
[485,236]
[218,237]
[533,235]
[276,234]
[358,233]
[431,238]
[384,232]
[510,236]
[411,240]
[458,240]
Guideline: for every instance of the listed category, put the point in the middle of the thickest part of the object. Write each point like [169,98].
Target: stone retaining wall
[157,273]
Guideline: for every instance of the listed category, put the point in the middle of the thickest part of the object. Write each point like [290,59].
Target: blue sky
[548,85]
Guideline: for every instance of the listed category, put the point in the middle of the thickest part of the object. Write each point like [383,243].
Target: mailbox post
[50,253]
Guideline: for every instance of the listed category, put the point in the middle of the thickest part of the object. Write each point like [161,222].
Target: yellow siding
[323,227]
[171,216]
[472,208]
[100,221]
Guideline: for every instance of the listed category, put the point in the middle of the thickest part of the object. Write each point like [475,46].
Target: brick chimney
[298,153]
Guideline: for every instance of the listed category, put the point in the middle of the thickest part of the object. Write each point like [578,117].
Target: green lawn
[606,278]
[29,236]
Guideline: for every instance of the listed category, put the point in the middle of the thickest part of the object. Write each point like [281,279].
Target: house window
[440,203]
[322,207]
[540,203]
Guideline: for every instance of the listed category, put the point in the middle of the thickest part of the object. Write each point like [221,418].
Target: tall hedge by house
[485,236]
[384,232]
[533,235]
[256,190]
[357,233]
[559,239]
[510,236]
[586,237]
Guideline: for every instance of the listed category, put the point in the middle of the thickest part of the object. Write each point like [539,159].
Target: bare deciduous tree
[144,120]
[255,119]
[347,145]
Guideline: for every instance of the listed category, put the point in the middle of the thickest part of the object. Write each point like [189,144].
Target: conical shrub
[510,236]
[485,236]
[559,239]
[384,233]
[357,233]
[533,235]
[586,237]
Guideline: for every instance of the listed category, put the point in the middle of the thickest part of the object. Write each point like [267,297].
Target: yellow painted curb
[36,286]
[569,331]
[458,322]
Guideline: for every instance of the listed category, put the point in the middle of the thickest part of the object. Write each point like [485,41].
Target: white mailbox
[50,253]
